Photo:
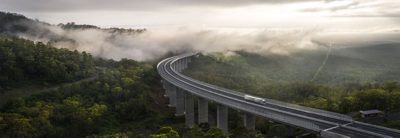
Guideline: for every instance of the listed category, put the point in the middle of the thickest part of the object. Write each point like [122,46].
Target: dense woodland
[23,60]
[124,100]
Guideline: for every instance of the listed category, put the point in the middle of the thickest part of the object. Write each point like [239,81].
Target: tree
[165,132]
[215,133]
[15,125]
[194,132]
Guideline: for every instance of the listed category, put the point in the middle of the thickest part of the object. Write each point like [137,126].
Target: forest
[56,92]
[124,98]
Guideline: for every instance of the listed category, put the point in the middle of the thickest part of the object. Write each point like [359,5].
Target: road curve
[315,120]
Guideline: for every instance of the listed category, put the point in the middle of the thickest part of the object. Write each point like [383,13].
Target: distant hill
[361,64]
[100,42]
[13,24]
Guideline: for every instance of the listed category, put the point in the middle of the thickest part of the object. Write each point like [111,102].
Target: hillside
[115,43]
[365,64]
[15,24]
[46,91]
[352,79]
[120,98]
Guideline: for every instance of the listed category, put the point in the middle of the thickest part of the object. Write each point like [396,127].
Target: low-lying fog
[155,42]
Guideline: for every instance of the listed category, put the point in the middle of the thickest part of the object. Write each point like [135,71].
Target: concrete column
[290,131]
[163,83]
[172,96]
[177,65]
[167,87]
[222,118]
[180,102]
[185,63]
[249,120]
[203,110]
[189,110]
[182,64]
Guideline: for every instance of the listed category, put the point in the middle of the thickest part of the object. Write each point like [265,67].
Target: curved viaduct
[183,91]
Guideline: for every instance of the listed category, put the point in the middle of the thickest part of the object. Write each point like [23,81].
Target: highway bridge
[183,91]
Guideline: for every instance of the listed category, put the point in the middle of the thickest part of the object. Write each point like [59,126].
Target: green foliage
[215,133]
[117,103]
[278,130]
[374,98]
[165,132]
[15,125]
[241,132]
[393,124]
[72,25]
[8,21]
[23,61]
[195,132]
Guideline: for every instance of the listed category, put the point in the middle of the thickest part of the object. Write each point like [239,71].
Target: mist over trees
[42,67]
[120,98]
[23,60]
[125,99]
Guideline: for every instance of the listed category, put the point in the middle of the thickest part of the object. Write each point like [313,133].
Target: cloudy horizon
[331,15]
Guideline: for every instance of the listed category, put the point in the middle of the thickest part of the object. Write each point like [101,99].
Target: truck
[255,99]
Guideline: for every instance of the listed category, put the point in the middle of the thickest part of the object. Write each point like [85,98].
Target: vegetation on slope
[23,61]
[124,100]
[122,94]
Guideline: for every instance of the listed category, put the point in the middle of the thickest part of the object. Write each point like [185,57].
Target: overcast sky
[333,15]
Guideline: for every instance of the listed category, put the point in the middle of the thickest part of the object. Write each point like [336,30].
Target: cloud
[153,44]
[332,8]
[358,8]
[131,5]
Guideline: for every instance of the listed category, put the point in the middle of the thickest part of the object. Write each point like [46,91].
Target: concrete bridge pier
[202,110]
[189,110]
[185,63]
[172,95]
[175,66]
[167,87]
[164,83]
[290,131]
[222,118]
[180,102]
[249,120]
[180,65]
